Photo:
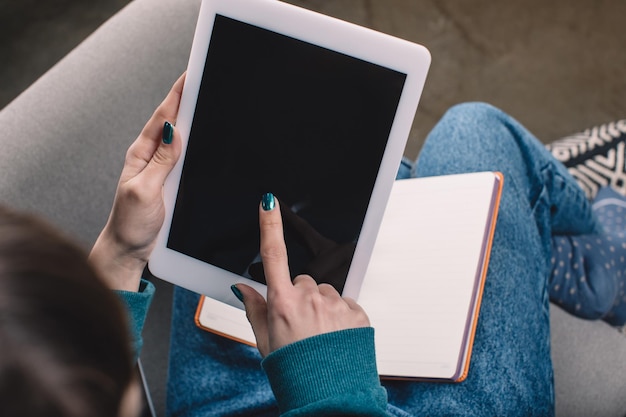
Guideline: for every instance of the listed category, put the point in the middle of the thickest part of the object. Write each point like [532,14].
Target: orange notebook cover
[423,287]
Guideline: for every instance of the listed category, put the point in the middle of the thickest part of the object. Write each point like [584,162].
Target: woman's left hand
[122,250]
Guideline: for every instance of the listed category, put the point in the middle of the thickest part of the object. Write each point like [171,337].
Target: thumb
[165,156]
[256,312]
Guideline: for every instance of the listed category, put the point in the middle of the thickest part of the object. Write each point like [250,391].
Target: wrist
[116,264]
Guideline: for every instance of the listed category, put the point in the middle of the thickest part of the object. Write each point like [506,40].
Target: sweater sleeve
[330,374]
[137,305]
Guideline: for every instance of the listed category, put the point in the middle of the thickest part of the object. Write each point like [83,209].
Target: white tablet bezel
[334,34]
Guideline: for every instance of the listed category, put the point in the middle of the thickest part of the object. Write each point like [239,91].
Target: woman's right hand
[294,310]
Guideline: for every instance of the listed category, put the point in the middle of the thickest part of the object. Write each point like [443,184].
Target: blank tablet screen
[276,114]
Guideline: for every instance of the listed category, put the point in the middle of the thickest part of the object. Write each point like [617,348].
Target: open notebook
[423,287]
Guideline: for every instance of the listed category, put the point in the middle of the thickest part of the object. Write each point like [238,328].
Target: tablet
[284,100]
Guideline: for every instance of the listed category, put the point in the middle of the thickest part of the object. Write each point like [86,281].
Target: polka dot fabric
[589,272]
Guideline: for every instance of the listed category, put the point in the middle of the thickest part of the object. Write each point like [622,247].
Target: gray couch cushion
[64,141]
[589,359]
[65,137]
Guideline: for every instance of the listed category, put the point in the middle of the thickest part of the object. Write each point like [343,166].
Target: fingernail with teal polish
[267,202]
[237,293]
[168,133]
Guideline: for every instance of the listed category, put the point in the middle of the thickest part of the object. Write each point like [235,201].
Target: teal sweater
[330,374]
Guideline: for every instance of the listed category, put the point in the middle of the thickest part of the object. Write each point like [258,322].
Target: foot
[589,272]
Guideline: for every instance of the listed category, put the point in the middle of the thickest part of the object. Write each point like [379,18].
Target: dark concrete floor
[557,66]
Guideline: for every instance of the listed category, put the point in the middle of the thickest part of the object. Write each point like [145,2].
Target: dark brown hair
[64,341]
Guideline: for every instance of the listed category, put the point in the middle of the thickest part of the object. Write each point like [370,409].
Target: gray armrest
[65,137]
[589,359]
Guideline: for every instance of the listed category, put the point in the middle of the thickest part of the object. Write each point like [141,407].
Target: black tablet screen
[276,114]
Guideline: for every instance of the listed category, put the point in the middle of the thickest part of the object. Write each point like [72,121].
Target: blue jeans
[511,370]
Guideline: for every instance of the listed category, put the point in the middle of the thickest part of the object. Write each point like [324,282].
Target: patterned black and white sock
[596,157]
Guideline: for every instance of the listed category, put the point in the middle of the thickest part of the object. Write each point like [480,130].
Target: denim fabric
[211,375]
[511,370]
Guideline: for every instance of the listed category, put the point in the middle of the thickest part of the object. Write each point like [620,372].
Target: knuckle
[250,316]
[362,319]
[284,311]
[317,301]
[273,252]
[131,155]
[134,193]
[328,289]
[270,223]
[303,279]
[162,157]
[161,113]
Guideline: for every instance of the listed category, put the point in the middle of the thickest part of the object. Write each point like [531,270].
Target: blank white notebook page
[424,273]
